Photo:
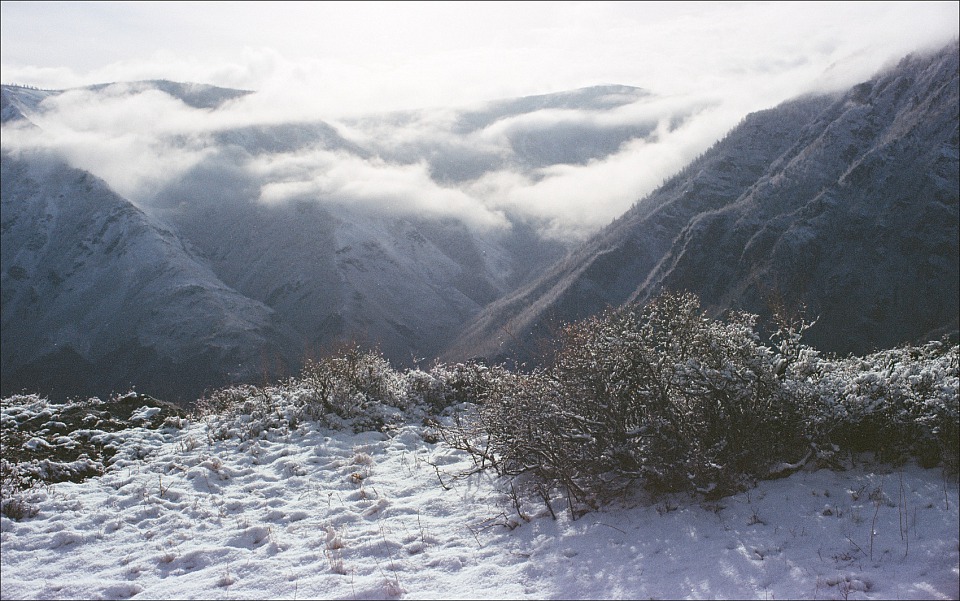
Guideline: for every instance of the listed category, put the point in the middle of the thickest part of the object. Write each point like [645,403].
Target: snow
[315,513]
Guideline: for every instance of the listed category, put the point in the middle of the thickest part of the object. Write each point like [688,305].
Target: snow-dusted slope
[338,275]
[323,514]
[16,102]
[196,95]
[98,296]
[845,205]
[859,220]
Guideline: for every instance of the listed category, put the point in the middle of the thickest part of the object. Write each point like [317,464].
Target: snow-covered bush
[351,389]
[661,394]
[682,400]
[664,395]
[445,385]
[246,412]
[353,385]
[897,403]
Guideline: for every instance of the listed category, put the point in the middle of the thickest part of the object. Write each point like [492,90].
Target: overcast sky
[349,57]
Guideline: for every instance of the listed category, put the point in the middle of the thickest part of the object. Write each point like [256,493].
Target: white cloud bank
[335,58]
[141,141]
[713,62]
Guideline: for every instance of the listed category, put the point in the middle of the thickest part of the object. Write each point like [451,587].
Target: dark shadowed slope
[98,297]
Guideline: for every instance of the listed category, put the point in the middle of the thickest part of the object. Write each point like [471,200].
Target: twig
[861,550]
[943,478]
[904,512]
[477,538]
[436,468]
[423,538]
[614,527]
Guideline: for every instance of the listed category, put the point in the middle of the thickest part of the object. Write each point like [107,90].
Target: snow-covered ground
[322,514]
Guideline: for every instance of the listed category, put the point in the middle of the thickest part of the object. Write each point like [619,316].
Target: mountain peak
[196,95]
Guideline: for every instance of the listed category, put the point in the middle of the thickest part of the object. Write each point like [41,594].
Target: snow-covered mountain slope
[99,296]
[17,101]
[20,101]
[196,95]
[336,274]
[847,206]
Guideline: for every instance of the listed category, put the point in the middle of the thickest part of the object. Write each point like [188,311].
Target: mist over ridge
[531,159]
[408,231]
[841,208]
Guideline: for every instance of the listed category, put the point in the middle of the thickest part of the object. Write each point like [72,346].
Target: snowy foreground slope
[316,513]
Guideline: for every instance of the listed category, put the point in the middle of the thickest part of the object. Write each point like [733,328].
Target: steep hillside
[97,296]
[297,276]
[336,274]
[17,101]
[845,206]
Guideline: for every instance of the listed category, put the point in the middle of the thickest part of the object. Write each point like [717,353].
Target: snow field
[326,514]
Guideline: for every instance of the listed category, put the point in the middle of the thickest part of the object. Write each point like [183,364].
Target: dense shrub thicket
[660,395]
[897,403]
[664,395]
[352,389]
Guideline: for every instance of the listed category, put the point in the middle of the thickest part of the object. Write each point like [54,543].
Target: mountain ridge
[706,228]
[243,289]
[96,292]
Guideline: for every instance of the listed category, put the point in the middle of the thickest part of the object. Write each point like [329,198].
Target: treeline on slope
[659,395]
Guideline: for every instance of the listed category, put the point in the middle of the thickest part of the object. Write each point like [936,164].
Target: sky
[713,62]
[348,57]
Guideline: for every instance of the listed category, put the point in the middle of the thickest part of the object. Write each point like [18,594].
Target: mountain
[844,207]
[269,243]
[336,274]
[273,282]
[564,128]
[18,101]
[97,296]
[195,95]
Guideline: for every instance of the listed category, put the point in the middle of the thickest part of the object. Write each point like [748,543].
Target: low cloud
[371,185]
[571,170]
[145,143]
[574,201]
[125,138]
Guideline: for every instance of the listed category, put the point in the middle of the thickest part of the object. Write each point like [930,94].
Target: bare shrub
[661,394]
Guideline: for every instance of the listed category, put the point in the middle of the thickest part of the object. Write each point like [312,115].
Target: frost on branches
[664,396]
